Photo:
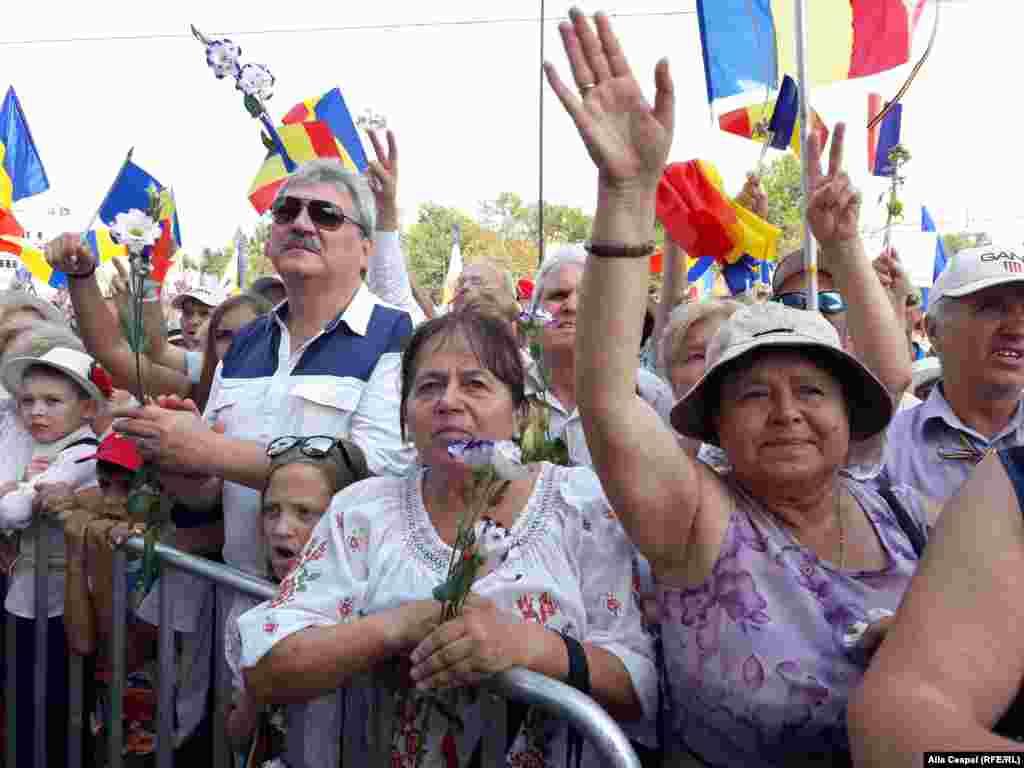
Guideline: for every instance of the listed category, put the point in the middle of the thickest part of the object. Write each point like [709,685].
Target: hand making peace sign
[833,209]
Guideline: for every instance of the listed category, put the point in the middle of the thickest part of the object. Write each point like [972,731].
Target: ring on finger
[585,88]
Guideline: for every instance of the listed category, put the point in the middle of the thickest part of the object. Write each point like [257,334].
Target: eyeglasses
[315,447]
[324,214]
[829,302]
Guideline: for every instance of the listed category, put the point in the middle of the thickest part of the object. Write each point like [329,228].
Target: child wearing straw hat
[58,395]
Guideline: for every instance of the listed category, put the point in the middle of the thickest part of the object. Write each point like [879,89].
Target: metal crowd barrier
[552,696]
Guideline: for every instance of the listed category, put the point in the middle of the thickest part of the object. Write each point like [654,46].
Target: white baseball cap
[74,364]
[975,269]
[773,325]
[209,296]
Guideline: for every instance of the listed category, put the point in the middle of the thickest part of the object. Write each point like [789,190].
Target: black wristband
[84,275]
[621,250]
[579,669]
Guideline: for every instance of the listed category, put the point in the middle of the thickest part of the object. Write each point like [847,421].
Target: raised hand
[753,197]
[384,175]
[68,254]
[833,208]
[627,139]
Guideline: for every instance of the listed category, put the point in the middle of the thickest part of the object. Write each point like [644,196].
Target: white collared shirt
[568,425]
[343,382]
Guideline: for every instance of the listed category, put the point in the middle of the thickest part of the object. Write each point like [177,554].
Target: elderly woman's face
[688,363]
[453,397]
[561,299]
[784,418]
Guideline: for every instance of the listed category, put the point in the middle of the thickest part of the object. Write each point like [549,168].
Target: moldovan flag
[131,189]
[315,128]
[748,121]
[750,44]
[454,268]
[21,169]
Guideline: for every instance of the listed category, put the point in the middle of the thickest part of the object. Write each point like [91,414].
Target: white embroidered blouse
[572,569]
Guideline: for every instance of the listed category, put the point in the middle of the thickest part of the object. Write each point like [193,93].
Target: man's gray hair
[346,182]
[938,314]
[566,254]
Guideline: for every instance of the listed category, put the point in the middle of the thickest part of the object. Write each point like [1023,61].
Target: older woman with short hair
[685,340]
[557,291]
[563,597]
[763,572]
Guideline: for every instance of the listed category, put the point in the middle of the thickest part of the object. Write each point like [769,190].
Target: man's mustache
[305,242]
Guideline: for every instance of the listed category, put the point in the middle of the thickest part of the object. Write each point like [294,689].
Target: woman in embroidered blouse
[761,571]
[360,595]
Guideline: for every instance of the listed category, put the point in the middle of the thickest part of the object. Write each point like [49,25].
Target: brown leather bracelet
[621,250]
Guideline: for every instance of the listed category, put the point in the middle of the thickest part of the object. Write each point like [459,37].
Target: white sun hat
[774,326]
[77,365]
[209,296]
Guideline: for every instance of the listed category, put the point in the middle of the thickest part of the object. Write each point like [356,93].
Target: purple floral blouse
[756,671]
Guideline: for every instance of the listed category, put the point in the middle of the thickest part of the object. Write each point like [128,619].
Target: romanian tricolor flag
[331,109]
[702,220]
[750,44]
[303,142]
[12,240]
[21,169]
[315,128]
[131,189]
[752,123]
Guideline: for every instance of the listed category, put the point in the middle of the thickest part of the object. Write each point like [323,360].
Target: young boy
[57,400]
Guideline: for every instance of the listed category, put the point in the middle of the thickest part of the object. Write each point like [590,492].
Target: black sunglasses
[829,302]
[315,447]
[324,214]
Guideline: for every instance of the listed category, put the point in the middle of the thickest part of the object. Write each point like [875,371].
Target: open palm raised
[627,139]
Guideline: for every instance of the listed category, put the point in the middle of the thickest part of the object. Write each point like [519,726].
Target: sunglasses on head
[325,215]
[829,302]
[315,447]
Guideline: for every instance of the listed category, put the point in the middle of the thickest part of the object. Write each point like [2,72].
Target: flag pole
[540,154]
[120,173]
[810,252]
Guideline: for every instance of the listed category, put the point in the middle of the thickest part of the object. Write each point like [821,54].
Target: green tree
[256,248]
[428,242]
[782,184]
[213,261]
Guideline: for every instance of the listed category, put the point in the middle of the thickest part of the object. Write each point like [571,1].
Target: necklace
[842,529]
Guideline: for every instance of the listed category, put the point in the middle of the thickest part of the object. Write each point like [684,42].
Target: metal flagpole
[810,251]
[540,154]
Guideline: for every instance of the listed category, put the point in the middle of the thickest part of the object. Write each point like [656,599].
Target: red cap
[119,450]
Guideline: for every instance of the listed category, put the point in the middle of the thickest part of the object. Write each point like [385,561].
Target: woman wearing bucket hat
[768,575]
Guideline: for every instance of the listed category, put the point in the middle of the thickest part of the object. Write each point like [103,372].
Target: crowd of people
[725,558]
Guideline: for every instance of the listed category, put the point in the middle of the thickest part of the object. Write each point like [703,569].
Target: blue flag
[928,225]
[21,169]
[888,137]
[131,190]
[787,105]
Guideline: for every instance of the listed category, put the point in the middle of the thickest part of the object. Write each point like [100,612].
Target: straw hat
[76,365]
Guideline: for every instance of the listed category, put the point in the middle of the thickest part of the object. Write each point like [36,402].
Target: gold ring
[585,88]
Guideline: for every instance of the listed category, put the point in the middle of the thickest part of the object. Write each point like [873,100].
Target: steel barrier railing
[552,696]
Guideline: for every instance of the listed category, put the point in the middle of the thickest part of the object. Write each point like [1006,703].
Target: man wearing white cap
[196,305]
[976,325]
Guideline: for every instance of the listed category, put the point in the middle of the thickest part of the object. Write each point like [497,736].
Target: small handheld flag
[21,169]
